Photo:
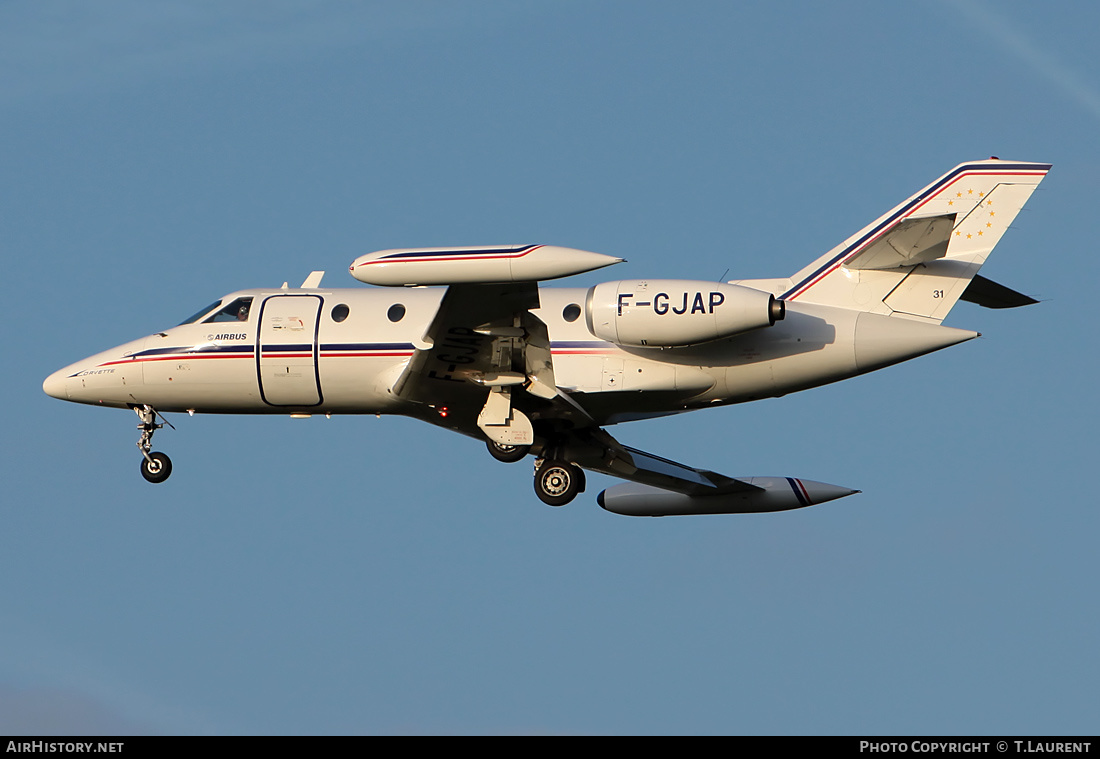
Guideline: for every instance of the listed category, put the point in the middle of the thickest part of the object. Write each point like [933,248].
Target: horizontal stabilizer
[910,241]
[986,292]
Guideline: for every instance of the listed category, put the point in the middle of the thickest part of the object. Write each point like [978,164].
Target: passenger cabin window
[237,311]
[340,312]
[571,313]
[396,312]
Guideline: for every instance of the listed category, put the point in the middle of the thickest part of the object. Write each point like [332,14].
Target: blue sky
[365,575]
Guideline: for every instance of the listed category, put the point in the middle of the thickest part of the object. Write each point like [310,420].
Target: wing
[489,372]
[607,455]
[487,352]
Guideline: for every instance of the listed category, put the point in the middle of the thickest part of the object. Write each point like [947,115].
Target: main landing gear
[155,466]
[509,454]
[557,482]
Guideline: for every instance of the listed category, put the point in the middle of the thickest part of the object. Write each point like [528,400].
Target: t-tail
[919,259]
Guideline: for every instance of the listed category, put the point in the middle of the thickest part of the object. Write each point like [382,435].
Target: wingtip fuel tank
[768,494]
[478,265]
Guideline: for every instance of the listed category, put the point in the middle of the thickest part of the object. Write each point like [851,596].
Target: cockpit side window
[199,314]
[237,311]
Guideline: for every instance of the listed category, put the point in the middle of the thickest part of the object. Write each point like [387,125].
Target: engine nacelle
[663,313]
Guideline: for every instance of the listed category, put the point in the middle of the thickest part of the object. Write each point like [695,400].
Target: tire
[159,470]
[558,482]
[509,454]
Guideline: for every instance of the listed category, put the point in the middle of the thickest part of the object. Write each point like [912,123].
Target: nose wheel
[155,466]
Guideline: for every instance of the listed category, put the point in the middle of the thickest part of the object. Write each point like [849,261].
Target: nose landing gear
[155,466]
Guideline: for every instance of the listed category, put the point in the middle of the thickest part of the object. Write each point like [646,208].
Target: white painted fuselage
[339,351]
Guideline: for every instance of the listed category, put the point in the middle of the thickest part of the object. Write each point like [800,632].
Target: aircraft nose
[56,386]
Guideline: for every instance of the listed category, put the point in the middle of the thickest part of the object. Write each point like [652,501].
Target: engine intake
[666,313]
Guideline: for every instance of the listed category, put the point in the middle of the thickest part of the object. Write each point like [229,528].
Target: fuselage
[340,351]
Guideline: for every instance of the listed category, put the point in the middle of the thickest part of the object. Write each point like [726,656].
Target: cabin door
[287,352]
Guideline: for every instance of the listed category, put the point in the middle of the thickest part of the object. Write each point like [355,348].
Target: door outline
[313,351]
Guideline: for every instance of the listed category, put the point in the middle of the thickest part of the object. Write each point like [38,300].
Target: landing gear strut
[557,482]
[155,466]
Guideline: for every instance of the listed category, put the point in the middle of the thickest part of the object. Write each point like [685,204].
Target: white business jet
[464,338]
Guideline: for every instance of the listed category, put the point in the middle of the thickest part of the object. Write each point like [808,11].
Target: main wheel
[507,453]
[159,469]
[557,482]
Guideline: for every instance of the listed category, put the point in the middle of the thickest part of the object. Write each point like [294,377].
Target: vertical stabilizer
[918,259]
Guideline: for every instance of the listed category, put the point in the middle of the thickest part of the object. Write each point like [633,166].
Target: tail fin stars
[918,259]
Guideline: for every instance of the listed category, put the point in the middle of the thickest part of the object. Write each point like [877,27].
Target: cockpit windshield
[199,314]
[237,311]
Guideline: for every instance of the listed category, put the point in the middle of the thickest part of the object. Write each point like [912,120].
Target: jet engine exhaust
[777,310]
